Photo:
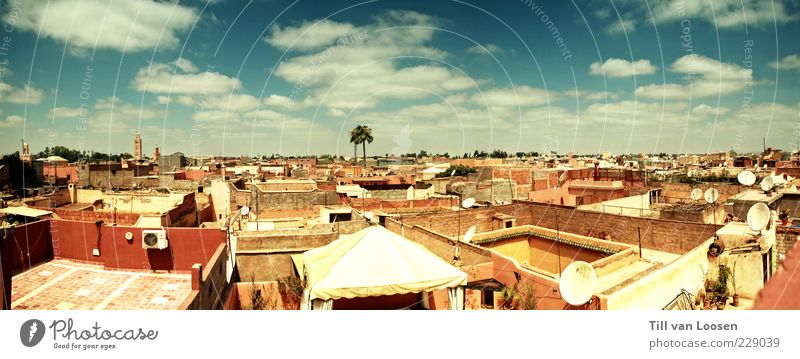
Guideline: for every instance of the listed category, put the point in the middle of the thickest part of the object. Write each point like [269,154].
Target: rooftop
[64,284]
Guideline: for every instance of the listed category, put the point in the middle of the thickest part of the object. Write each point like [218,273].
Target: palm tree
[361,134]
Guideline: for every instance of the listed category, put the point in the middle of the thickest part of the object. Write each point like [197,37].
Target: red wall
[187,246]
[25,246]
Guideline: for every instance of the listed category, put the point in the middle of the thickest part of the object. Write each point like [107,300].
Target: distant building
[156,154]
[25,156]
[137,147]
[171,162]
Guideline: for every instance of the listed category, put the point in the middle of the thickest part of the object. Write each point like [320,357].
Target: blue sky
[291,77]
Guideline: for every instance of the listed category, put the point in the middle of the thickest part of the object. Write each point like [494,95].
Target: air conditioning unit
[154,239]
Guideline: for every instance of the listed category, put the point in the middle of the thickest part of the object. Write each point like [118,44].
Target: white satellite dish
[711,195]
[578,283]
[470,233]
[453,173]
[696,194]
[468,203]
[758,217]
[245,210]
[746,178]
[767,183]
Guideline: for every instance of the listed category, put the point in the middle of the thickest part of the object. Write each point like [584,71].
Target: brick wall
[125,219]
[665,235]
[439,244]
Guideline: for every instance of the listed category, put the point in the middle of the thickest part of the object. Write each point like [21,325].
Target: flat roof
[755,196]
[25,211]
[63,284]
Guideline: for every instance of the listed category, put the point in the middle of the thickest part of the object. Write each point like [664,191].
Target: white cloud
[111,116]
[791,62]
[721,13]
[705,110]
[174,79]
[67,112]
[622,68]
[518,96]
[364,71]
[122,25]
[185,65]
[485,50]
[621,26]
[706,77]
[12,121]
[26,94]
[309,35]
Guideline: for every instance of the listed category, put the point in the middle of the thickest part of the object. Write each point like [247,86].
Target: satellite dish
[453,173]
[758,217]
[711,195]
[470,233]
[245,210]
[468,203]
[578,283]
[746,178]
[696,194]
[767,183]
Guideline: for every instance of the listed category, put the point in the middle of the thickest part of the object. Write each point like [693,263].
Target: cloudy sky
[292,77]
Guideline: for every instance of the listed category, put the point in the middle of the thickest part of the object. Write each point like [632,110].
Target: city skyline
[290,78]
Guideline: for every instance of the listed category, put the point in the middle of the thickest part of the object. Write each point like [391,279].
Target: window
[509,224]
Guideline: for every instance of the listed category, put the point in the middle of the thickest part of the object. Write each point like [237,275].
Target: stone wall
[665,235]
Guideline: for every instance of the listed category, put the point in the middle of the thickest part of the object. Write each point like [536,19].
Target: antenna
[746,178]
[470,233]
[578,283]
[767,183]
[468,203]
[758,217]
[696,194]
[711,195]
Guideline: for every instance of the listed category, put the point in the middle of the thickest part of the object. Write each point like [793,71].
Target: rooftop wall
[187,246]
[664,235]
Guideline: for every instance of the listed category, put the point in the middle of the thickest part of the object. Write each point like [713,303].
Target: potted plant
[721,288]
[784,217]
[709,297]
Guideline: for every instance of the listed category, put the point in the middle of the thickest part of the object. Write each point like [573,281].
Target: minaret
[156,154]
[137,147]
[26,153]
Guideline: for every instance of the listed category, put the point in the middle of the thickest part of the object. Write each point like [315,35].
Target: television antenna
[696,194]
[470,233]
[578,283]
[758,217]
[746,178]
[711,195]
[468,203]
[767,183]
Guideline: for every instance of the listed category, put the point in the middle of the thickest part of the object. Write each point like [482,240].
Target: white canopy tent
[375,262]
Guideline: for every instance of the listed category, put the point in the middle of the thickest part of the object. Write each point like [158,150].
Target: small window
[509,224]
